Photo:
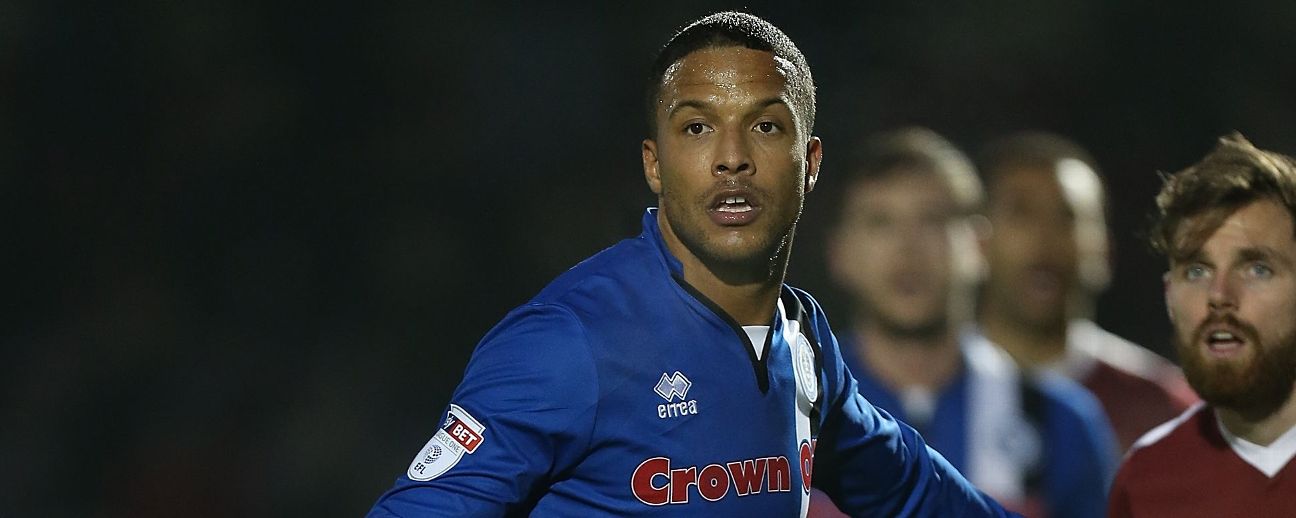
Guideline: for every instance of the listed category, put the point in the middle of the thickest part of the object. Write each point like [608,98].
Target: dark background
[251,246]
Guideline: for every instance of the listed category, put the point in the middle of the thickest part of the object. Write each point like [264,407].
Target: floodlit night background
[250,246]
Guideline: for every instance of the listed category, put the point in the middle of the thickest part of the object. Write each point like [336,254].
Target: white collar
[1268,459]
[757,336]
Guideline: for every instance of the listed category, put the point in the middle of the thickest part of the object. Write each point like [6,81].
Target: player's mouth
[733,207]
[1043,284]
[1223,341]
[908,283]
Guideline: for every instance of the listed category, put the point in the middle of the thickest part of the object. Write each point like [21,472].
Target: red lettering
[680,480]
[713,482]
[747,476]
[641,483]
[780,474]
[807,465]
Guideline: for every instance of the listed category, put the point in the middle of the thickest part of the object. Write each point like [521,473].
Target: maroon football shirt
[1186,468]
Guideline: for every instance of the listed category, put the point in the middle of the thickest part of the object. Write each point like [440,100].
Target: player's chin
[738,247]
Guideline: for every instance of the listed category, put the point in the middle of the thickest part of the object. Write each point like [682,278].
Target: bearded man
[1228,227]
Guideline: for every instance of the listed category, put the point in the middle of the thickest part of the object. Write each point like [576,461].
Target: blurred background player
[1049,260]
[905,252]
[1228,227]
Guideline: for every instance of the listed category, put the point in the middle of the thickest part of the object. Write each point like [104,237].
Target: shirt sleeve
[526,401]
[871,464]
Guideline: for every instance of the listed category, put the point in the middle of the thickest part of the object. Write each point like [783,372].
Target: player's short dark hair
[1039,150]
[1232,175]
[733,29]
[1029,149]
[915,150]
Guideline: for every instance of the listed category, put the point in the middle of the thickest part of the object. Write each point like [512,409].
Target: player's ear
[814,157]
[651,173]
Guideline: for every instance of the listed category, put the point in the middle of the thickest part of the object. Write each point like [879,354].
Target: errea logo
[672,386]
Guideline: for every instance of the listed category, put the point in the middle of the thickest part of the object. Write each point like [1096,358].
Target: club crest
[806,373]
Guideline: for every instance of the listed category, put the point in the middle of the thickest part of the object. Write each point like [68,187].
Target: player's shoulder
[1117,352]
[534,332]
[1123,367]
[621,280]
[1170,436]
[614,263]
[617,288]
[813,315]
[1068,397]
[1180,445]
[808,304]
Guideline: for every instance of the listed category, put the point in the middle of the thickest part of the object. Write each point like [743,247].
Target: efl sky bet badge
[460,434]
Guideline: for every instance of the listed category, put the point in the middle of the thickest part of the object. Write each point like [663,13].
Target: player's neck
[747,296]
[749,304]
[1260,430]
[902,362]
[747,292]
[1030,346]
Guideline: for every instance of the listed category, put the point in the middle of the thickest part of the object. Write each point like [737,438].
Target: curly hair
[1194,202]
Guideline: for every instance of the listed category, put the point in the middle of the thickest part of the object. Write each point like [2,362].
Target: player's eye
[696,128]
[1259,270]
[875,222]
[766,127]
[1195,272]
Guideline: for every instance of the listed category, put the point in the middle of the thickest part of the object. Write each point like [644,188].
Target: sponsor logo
[670,387]
[673,385]
[460,434]
[655,483]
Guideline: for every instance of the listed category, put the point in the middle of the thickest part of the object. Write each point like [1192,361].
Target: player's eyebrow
[1261,253]
[1245,255]
[1190,257]
[688,103]
[704,106]
[766,103]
